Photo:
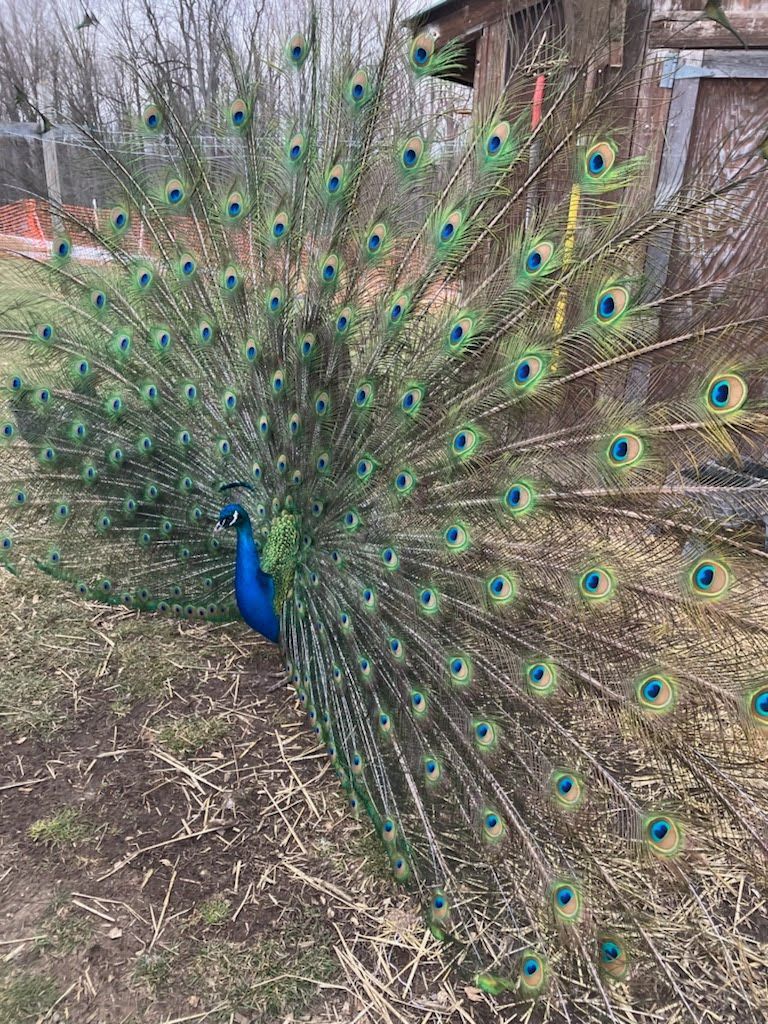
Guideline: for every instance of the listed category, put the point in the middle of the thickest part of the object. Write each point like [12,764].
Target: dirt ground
[174,846]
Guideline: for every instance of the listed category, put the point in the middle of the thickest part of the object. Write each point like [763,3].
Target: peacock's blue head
[231,515]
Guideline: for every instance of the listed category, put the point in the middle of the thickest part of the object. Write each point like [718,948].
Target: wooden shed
[692,80]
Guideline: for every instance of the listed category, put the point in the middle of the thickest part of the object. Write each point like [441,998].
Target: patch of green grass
[154,969]
[67,828]
[189,735]
[214,911]
[26,998]
[66,930]
[274,978]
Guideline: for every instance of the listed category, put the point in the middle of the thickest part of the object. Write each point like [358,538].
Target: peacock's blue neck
[254,589]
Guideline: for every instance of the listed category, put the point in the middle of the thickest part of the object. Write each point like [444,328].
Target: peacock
[473,434]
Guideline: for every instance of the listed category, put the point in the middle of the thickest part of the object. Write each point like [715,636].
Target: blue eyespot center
[357,90]
[565,785]
[652,689]
[564,896]
[607,306]
[333,183]
[596,163]
[494,144]
[409,157]
[420,55]
[620,449]
[705,576]
[592,582]
[720,393]
[397,310]
[523,372]
[295,152]
[659,829]
[174,195]
[530,967]
[609,951]
[447,231]
[534,260]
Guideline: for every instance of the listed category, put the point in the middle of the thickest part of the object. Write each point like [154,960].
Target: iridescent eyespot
[527,371]
[334,181]
[344,320]
[412,152]
[364,395]
[239,113]
[295,148]
[187,265]
[709,578]
[421,52]
[119,218]
[384,722]
[450,228]
[418,703]
[500,589]
[368,598]
[235,206]
[625,450]
[518,498]
[280,225]
[400,869]
[322,403]
[456,538]
[599,159]
[297,49]
[663,835]
[278,381]
[612,957]
[428,601]
[350,521]
[541,678]
[175,192]
[390,558]
[757,705]
[484,734]
[405,482]
[365,468]
[567,789]
[465,442]
[532,973]
[611,303]
[460,333]
[358,88]
[329,270]
[230,278]
[294,425]
[411,400]
[440,907]
[493,826]
[264,425]
[537,258]
[596,584]
[399,308]
[377,236]
[496,140]
[144,278]
[62,247]
[460,669]
[307,344]
[566,902]
[274,300]
[152,117]
[396,648]
[726,393]
[204,332]
[432,769]
[656,693]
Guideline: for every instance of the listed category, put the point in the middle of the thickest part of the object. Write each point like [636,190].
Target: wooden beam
[682,30]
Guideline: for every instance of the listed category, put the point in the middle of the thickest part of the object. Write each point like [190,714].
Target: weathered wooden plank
[679,30]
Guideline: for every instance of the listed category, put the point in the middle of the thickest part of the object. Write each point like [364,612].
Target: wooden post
[50,160]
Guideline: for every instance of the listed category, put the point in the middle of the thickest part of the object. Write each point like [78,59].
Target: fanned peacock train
[432,422]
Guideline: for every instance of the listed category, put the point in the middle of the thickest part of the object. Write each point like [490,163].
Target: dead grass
[206,866]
